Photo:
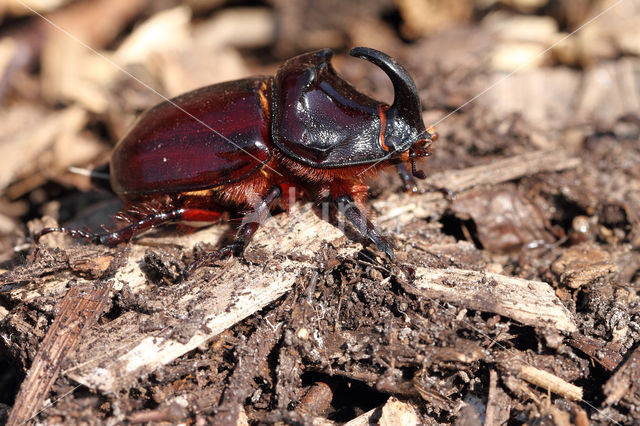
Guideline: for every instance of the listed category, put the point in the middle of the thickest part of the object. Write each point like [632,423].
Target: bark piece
[242,382]
[504,218]
[289,385]
[77,311]
[317,400]
[597,350]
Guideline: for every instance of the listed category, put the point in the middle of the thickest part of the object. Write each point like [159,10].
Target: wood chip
[505,219]
[529,93]
[317,399]
[393,412]
[498,403]
[27,132]
[582,264]
[365,419]
[242,382]
[167,29]
[529,302]
[425,17]
[610,90]
[597,350]
[14,8]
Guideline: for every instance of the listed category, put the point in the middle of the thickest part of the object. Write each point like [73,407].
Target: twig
[625,384]
[550,382]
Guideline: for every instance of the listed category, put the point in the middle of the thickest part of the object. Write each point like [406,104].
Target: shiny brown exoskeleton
[216,148]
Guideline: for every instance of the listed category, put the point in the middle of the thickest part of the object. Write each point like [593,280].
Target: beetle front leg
[250,224]
[359,219]
[409,183]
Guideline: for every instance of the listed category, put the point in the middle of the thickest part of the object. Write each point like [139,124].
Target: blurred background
[70,73]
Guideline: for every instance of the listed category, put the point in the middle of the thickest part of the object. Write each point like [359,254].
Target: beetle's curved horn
[406,102]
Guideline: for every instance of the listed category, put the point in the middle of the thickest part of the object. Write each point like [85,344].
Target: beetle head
[405,136]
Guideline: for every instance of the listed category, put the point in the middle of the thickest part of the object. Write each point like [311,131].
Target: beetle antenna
[414,170]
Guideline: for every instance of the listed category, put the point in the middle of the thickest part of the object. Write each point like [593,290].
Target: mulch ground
[516,301]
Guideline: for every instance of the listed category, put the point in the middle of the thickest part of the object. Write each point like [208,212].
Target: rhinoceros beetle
[205,152]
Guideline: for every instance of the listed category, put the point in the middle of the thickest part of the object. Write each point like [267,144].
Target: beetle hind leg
[111,239]
[76,233]
[151,219]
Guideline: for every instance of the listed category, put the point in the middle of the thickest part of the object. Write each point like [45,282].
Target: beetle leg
[137,226]
[250,224]
[446,192]
[112,239]
[346,204]
[409,184]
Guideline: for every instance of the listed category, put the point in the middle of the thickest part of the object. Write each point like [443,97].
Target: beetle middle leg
[250,224]
[358,218]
